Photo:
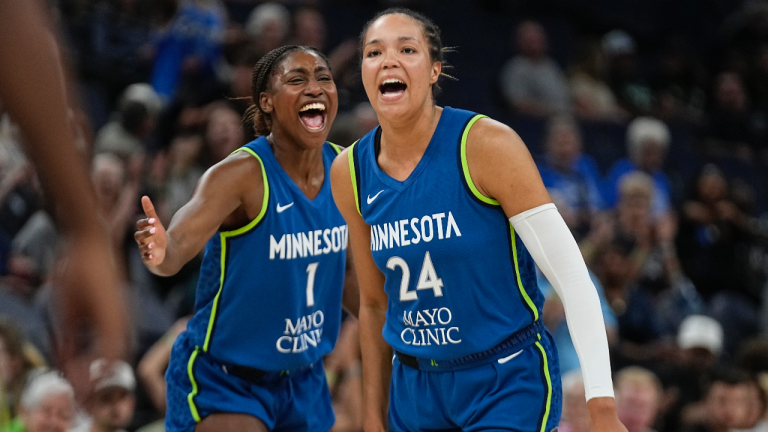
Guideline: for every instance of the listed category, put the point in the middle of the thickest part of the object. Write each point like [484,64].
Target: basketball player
[269,298]
[446,210]
[88,291]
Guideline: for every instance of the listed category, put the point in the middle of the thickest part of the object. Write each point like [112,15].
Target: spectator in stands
[679,92]
[638,398]
[624,78]
[268,26]
[592,97]
[731,128]
[711,228]
[47,405]
[110,407]
[726,404]
[570,174]
[183,172]
[189,48]
[700,341]
[120,52]
[309,28]
[532,82]
[223,132]
[126,134]
[754,420]
[575,417]
[647,143]
[17,360]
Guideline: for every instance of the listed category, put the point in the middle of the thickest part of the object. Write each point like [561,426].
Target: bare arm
[376,353]
[151,369]
[32,86]
[502,169]
[229,193]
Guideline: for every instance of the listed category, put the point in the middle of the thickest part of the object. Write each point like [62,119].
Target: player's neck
[405,138]
[303,165]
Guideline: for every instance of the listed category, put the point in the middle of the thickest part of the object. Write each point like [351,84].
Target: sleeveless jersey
[269,294]
[458,278]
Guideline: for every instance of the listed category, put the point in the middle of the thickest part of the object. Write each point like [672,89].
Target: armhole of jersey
[223,239]
[353,173]
[265,201]
[470,185]
[335,148]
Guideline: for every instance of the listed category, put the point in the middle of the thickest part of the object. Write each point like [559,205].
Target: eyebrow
[401,38]
[303,70]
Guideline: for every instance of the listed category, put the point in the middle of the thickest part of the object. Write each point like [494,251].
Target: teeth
[313,106]
[392,81]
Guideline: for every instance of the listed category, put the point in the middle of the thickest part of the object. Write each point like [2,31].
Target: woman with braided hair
[269,298]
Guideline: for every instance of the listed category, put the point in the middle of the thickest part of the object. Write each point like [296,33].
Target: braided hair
[431,33]
[260,83]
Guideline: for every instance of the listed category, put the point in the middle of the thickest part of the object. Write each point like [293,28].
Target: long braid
[260,82]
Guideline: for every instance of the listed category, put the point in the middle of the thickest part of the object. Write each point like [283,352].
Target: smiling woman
[268,304]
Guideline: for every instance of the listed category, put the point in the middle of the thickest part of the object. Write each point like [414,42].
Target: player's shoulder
[489,135]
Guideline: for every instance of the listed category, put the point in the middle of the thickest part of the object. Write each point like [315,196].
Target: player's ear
[265,102]
[437,69]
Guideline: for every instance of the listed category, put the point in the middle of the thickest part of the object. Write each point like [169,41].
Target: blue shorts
[198,386]
[520,392]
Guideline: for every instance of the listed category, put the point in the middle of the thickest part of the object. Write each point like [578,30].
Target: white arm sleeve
[555,251]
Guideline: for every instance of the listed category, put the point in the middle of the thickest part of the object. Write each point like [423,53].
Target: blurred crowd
[653,147]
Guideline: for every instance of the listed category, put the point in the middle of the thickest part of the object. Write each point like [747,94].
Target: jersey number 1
[311,271]
[427,278]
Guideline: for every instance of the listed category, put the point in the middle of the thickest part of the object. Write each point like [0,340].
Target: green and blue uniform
[464,307]
[268,308]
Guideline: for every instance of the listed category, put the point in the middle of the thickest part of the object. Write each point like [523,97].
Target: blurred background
[648,120]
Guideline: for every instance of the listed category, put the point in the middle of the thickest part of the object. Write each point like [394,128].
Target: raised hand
[150,235]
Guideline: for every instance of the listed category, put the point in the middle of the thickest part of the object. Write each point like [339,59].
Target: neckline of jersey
[426,158]
[321,196]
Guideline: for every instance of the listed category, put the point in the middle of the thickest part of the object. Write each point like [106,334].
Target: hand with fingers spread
[151,236]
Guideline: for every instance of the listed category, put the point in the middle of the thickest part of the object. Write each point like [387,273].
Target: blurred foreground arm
[32,87]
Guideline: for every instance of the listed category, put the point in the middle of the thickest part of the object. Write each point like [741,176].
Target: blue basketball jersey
[458,278]
[269,294]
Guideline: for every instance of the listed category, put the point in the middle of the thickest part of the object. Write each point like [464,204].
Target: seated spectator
[677,84]
[183,172]
[151,369]
[624,78]
[592,97]
[726,404]
[754,420]
[532,82]
[647,144]
[223,132]
[712,228]
[570,174]
[126,135]
[268,26]
[575,417]
[189,48]
[110,407]
[700,341]
[17,360]
[47,405]
[731,129]
[638,398]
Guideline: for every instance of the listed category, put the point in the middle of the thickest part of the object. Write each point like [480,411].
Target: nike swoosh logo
[370,200]
[506,359]
[281,209]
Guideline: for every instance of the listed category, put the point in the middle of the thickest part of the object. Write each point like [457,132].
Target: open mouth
[313,116]
[392,88]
